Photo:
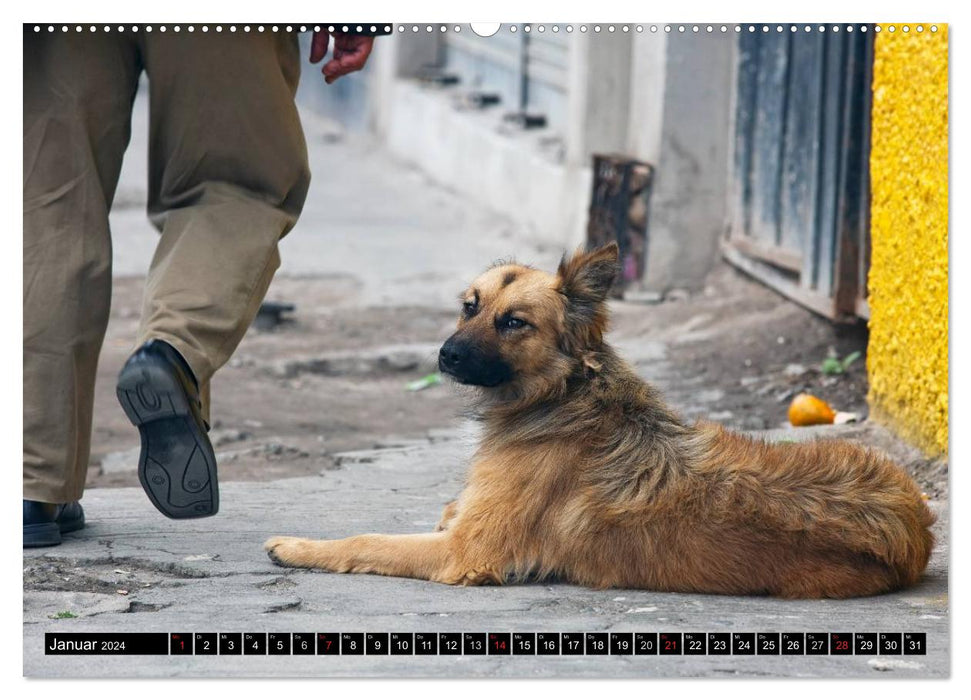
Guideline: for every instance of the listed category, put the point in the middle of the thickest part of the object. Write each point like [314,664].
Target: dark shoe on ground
[44,523]
[177,466]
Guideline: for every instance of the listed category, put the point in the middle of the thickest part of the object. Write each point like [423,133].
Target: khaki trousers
[227,178]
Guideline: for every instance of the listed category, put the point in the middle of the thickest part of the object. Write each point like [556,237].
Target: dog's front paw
[284,551]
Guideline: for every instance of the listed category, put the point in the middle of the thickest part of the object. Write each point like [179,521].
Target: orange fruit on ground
[806,409]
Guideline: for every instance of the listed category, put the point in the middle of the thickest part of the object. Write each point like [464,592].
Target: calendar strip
[487,643]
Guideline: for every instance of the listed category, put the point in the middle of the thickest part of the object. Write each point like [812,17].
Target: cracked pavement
[132,570]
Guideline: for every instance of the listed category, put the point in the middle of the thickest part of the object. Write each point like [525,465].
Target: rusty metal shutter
[801,151]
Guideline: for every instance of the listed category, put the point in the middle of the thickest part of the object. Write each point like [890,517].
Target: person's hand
[350,53]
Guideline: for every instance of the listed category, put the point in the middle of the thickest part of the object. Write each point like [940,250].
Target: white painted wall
[507,170]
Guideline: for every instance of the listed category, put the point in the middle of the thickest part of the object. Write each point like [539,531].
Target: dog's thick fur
[584,474]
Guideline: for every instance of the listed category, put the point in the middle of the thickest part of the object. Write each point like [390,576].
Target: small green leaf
[64,615]
[850,359]
[832,365]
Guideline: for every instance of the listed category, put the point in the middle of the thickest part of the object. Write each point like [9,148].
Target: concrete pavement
[133,570]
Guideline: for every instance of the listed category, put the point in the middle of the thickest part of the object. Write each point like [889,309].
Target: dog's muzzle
[469,364]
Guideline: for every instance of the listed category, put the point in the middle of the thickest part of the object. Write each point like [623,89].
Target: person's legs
[78,93]
[228,178]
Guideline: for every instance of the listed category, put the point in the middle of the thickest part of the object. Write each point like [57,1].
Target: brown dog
[584,474]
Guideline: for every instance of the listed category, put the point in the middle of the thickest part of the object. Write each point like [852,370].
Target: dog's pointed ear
[585,279]
[588,277]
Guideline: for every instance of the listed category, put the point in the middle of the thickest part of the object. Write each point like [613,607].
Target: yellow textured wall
[907,355]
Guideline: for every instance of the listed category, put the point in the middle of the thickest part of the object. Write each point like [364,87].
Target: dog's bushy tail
[888,516]
[832,496]
[906,529]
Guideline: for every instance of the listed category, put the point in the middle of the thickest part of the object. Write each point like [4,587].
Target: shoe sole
[177,466]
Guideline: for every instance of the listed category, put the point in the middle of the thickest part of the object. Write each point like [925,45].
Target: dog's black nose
[452,354]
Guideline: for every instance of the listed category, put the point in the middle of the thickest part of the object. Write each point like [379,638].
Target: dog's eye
[469,308]
[511,323]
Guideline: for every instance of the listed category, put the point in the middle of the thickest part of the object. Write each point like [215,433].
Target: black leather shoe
[177,466]
[45,522]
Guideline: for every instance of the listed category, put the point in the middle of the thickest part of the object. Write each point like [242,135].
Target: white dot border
[556,28]
[206,28]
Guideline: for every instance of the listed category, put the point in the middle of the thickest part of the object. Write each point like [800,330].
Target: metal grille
[619,205]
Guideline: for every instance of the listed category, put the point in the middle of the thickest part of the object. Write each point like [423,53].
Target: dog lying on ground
[585,475]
